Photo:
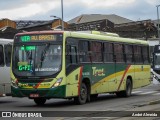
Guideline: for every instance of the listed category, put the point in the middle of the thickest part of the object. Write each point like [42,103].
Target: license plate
[34,95]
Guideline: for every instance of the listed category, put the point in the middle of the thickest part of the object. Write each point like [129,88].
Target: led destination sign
[24,67]
[28,48]
[28,38]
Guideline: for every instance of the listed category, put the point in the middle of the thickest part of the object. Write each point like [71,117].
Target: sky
[42,9]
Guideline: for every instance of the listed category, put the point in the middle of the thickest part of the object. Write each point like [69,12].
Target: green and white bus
[67,64]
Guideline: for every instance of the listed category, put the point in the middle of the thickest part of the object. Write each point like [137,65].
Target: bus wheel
[82,98]
[128,91]
[40,101]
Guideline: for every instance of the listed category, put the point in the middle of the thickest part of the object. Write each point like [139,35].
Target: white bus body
[5,53]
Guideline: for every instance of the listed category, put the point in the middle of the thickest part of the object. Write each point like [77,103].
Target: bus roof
[94,35]
[110,37]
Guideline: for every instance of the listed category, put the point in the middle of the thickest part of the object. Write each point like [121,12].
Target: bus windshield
[37,60]
[157,59]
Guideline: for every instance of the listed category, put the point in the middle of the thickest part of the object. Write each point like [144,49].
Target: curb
[154,102]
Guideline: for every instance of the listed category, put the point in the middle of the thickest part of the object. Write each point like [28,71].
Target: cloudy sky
[43,9]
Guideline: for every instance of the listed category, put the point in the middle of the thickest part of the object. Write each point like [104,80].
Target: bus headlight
[154,76]
[57,83]
[14,84]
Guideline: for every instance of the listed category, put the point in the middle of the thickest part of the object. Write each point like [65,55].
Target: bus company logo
[21,114]
[98,72]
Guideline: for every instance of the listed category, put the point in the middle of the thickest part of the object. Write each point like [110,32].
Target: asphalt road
[106,102]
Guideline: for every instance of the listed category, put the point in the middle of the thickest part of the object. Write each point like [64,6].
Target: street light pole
[158,21]
[62,14]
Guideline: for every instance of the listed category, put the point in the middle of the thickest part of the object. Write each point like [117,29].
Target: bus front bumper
[57,92]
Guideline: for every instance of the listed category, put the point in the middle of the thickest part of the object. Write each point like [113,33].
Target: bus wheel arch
[128,88]
[84,94]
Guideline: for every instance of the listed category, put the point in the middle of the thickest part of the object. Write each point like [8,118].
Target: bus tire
[40,101]
[128,91]
[82,98]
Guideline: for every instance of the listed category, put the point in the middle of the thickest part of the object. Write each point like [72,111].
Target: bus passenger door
[109,59]
[138,66]
[72,71]
[120,66]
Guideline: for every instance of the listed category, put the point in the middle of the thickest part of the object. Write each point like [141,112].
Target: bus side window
[71,55]
[118,52]
[145,53]
[108,52]
[83,51]
[128,53]
[1,56]
[137,54]
[8,49]
[68,55]
[96,50]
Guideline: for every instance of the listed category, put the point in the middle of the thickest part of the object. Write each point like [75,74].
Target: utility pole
[158,22]
[62,14]
[61,17]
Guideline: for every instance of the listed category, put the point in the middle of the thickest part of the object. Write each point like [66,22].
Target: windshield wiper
[31,62]
[28,53]
[44,52]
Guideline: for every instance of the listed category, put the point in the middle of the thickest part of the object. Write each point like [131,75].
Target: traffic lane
[104,102]
[69,106]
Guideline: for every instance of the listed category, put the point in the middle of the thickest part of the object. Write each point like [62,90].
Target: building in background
[98,22]
[24,23]
[41,25]
[7,23]
[144,29]
[7,28]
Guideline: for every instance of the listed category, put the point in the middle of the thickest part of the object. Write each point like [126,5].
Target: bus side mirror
[151,58]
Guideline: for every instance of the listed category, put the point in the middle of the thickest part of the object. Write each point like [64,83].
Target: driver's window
[8,49]
[73,54]
[68,55]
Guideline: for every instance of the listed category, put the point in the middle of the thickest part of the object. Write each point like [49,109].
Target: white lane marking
[156,94]
[134,92]
[144,93]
